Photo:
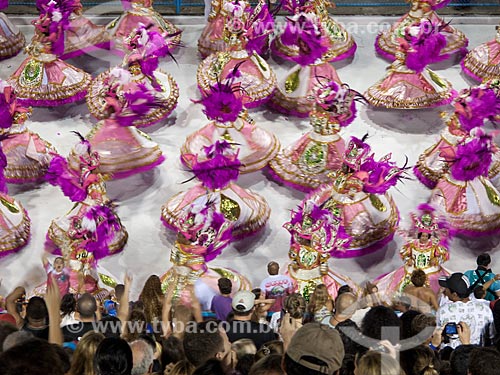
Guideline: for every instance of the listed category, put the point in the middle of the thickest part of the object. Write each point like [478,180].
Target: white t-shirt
[475,313]
[276,287]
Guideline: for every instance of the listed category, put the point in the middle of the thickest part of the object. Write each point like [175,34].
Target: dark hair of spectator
[484,361]
[483,260]
[267,365]
[418,278]
[376,319]
[459,360]
[113,357]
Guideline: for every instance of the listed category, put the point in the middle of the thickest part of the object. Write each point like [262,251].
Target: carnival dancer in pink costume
[464,194]
[218,169]
[294,93]
[359,192]
[124,150]
[82,35]
[425,248]
[253,75]
[14,221]
[11,39]
[43,79]
[471,108]
[341,45]
[28,155]
[316,234]
[230,121]
[310,161]
[387,42]
[140,12]
[483,62]
[408,84]
[91,230]
[203,233]
[145,47]
[213,37]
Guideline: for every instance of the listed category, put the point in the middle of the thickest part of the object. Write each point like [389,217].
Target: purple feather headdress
[473,157]
[422,44]
[321,227]
[303,30]
[219,167]
[53,21]
[101,225]
[339,101]
[146,47]
[297,6]
[4,4]
[221,102]
[259,25]
[427,220]
[59,174]
[72,183]
[7,98]
[3,165]
[474,105]
[379,176]
[134,103]
[202,225]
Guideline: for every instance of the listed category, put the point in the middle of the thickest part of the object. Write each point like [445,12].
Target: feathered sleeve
[59,174]
[472,159]
[302,30]
[425,43]
[378,176]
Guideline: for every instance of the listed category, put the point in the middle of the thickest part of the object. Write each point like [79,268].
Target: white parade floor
[404,133]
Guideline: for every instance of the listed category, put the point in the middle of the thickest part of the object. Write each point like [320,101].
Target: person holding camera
[474,313]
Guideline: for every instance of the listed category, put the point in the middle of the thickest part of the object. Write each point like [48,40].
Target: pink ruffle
[274,176]
[53,103]
[71,55]
[119,175]
[424,180]
[469,72]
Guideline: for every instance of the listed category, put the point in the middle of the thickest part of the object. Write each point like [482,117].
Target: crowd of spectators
[269,330]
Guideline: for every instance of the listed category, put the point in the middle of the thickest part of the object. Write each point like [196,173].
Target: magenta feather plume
[425,43]
[221,103]
[338,100]
[258,28]
[106,226]
[138,101]
[472,159]
[5,110]
[220,168]
[378,176]
[224,237]
[303,31]
[155,48]
[294,6]
[437,4]
[4,4]
[3,165]
[475,105]
[59,174]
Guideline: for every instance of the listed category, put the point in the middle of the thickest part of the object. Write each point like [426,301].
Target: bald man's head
[142,355]
[86,306]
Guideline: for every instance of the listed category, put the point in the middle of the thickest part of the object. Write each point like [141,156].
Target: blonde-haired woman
[376,363]
[320,304]
[82,362]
